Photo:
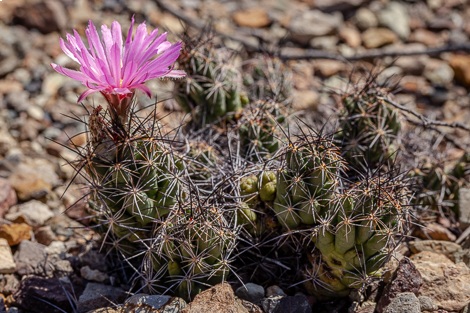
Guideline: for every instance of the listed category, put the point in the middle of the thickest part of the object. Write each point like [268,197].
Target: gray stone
[34,212]
[405,302]
[93,275]
[395,17]
[464,206]
[155,301]
[251,292]
[427,304]
[30,258]
[98,295]
[365,19]
[313,23]
[7,264]
[438,72]
[293,304]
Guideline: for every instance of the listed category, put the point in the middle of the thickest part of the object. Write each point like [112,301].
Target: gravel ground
[49,262]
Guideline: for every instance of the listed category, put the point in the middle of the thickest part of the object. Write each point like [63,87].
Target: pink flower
[116,68]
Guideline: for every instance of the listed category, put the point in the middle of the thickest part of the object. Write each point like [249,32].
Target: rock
[328,68]
[9,284]
[427,305]
[52,295]
[269,304]
[406,278]
[351,36]
[378,37]
[93,275]
[395,17]
[464,207]
[251,292]
[438,72]
[412,65]
[7,264]
[33,212]
[337,5]
[324,42]
[275,291]
[29,187]
[435,231]
[176,305]
[34,178]
[256,17]
[155,301]
[426,37]
[15,233]
[404,302]
[219,298]
[98,295]
[365,19]
[443,281]
[44,235]
[30,258]
[93,259]
[461,66]
[442,247]
[293,304]
[305,100]
[313,23]
[7,195]
[45,16]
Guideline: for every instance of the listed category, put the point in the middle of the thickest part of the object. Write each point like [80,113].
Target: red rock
[405,279]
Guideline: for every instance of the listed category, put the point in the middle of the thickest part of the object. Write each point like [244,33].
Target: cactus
[212,91]
[440,186]
[341,231]
[369,126]
[268,78]
[259,129]
[357,235]
[151,212]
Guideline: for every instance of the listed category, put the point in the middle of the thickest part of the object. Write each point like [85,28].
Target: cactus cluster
[344,231]
[236,192]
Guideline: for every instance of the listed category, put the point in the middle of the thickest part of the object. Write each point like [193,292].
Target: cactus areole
[117,68]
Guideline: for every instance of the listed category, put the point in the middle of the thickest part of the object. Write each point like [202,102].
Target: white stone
[7,264]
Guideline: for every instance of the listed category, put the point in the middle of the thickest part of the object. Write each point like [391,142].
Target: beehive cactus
[212,92]
[259,129]
[357,235]
[369,126]
[268,78]
[342,231]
